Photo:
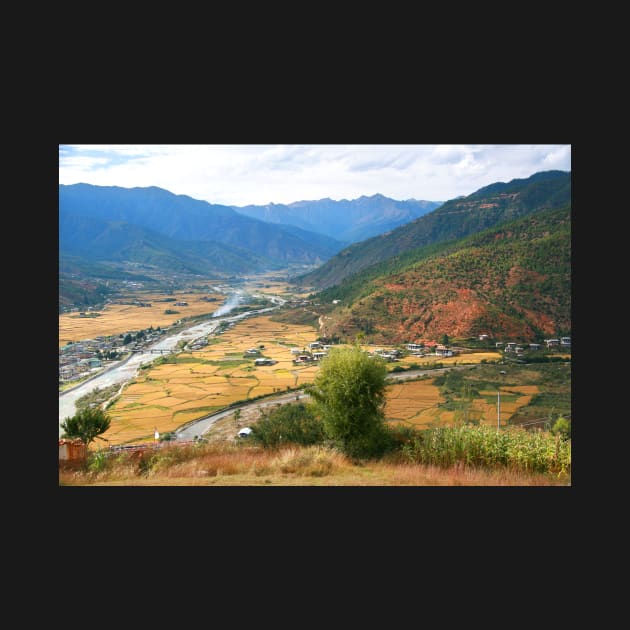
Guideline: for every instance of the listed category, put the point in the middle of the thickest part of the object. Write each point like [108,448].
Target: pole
[498,409]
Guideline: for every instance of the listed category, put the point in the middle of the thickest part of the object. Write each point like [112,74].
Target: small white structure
[244,432]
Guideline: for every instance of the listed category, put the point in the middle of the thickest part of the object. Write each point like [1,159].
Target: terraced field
[193,384]
[419,403]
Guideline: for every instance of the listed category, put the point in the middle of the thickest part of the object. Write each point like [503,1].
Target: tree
[128,339]
[562,427]
[444,340]
[349,396]
[87,424]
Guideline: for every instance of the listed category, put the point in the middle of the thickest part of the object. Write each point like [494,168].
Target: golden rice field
[193,384]
[418,403]
[168,395]
[115,319]
[460,359]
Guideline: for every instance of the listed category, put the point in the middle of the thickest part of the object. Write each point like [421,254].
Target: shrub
[562,427]
[295,422]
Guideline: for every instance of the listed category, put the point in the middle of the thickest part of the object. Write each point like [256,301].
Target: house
[95,363]
[443,351]
[498,344]
[319,355]
[415,347]
[263,361]
[483,337]
[252,351]
[302,358]
[181,303]
[314,345]
[565,341]
[295,351]
[552,342]
[72,450]
[510,346]
[534,346]
[336,301]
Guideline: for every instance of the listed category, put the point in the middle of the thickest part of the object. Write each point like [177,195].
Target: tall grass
[247,465]
[482,446]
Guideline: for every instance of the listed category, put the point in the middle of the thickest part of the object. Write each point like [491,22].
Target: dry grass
[231,465]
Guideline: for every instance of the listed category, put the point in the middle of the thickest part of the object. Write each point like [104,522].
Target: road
[197,428]
[128,368]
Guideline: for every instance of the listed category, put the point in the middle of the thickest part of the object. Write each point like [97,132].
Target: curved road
[196,428]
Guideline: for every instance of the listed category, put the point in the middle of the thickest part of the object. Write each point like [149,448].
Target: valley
[185,321]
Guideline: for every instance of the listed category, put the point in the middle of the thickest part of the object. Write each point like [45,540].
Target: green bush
[562,427]
[295,422]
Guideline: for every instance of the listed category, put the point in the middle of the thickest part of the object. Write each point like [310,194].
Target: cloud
[259,174]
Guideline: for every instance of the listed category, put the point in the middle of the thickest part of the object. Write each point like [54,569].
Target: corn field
[513,448]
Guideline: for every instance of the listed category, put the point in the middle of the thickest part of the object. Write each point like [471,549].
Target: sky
[259,174]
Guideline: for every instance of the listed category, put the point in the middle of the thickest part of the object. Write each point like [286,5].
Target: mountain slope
[454,219]
[348,221]
[512,281]
[186,219]
[117,241]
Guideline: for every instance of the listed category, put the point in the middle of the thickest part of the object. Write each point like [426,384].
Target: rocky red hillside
[510,282]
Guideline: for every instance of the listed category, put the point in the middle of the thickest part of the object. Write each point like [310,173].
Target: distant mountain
[453,220]
[344,220]
[117,241]
[511,282]
[181,218]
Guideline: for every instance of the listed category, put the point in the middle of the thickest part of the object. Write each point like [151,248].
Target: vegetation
[349,396]
[480,211]
[87,425]
[96,397]
[512,281]
[246,464]
[294,423]
[486,447]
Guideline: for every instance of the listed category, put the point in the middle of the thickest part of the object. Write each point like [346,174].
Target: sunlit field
[115,319]
[177,389]
[193,384]
[467,358]
[420,404]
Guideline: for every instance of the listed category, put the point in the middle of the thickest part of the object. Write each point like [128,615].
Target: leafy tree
[87,424]
[444,340]
[349,396]
[128,339]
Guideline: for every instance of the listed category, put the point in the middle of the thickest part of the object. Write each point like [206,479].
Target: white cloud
[259,174]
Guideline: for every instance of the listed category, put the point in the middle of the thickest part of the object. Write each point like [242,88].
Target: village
[90,356]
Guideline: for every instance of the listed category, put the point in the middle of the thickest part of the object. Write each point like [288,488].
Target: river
[128,368]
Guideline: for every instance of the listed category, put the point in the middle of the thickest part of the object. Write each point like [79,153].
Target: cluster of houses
[430,347]
[317,352]
[513,347]
[81,358]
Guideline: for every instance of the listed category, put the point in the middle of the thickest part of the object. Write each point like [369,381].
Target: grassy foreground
[242,464]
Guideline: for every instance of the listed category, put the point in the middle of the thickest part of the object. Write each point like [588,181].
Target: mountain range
[177,232]
[512,281]
[455,219]
[346,220]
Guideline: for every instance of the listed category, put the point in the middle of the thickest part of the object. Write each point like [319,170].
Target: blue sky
[242,174]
